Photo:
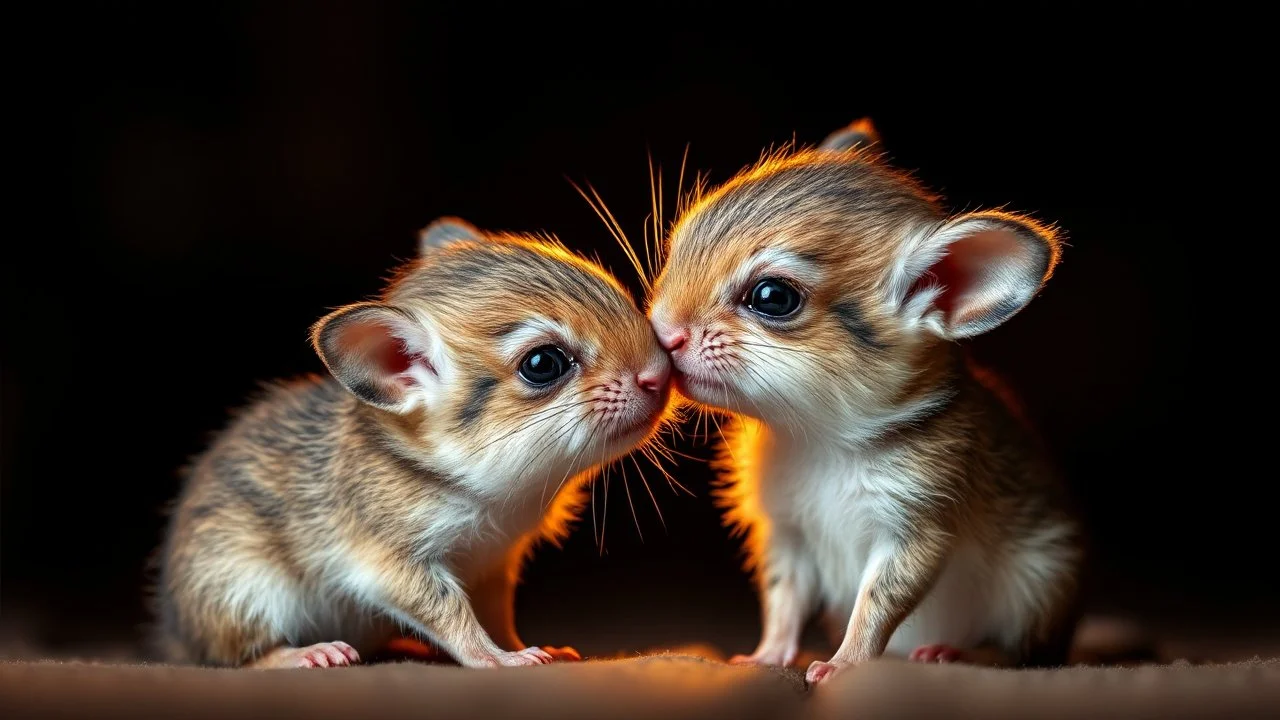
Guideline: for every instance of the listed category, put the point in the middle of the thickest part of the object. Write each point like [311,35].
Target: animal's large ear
[382,355]
[860,134]
[445,231]
[973,272]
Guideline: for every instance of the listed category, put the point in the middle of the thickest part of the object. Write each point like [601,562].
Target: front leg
[430,598]
[787,593]
[898,577]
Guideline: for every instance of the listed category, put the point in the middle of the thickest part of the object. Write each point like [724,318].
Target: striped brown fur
[402,493]
[877,479]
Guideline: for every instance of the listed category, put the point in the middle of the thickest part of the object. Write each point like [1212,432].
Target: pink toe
[934,653]
[349,652]
[948,655]
[338,656]
[819,672]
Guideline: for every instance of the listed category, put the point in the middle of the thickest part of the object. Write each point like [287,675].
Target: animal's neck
[929,391]
[398,441]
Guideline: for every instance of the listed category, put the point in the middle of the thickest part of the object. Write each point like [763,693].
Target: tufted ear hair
[973,272]
[445,231]
[858,135]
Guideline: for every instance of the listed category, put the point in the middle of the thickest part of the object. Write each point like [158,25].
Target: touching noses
[671,337]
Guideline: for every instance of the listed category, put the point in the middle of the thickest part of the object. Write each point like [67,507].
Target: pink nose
[673,339]
[653,380]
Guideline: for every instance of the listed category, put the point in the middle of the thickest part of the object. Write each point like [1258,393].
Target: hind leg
[249,617]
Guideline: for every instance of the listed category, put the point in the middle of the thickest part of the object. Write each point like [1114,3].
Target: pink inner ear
[943,274]
[391,357]
[970,270]
[383,350]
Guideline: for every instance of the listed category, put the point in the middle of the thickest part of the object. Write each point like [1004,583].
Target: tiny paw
[820,672]
[936,654]
[562,654]
[527,656]
[330,654]
[765,657]
[320,655]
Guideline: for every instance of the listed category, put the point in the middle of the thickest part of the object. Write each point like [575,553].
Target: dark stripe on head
[851,318]
[481,390]
[505,329]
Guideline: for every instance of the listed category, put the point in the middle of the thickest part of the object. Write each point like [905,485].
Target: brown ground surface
[1183,676]
[666,686]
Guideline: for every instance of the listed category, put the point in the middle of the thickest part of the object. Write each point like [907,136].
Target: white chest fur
[842,508]
[837,513]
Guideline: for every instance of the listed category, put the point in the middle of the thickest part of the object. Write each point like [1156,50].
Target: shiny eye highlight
[544,365]
[774,298]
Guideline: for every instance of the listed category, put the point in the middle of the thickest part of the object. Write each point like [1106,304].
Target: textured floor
[1120,669]
[662,686]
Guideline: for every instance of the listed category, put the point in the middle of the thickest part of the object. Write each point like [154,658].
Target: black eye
[544,365]
[774,298]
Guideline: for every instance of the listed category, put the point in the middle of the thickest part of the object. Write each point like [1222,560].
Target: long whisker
[559,409]
[542,500]
[671,454]
[645,481]
[818,359]
[838,375]
[822,393]
[823,361]
[667,454]
[627,487]
[720,430]
[782,403]
[765,384]
[655,203]
[659,228]
[553,442]
[569,470]
[653,457]
[655,451]
[680,205]
[611,224]
[604,513]
[593,514]
[635,259]
[800,351]
[673,427]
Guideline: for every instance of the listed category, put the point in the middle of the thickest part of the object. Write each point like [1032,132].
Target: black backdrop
[206,180]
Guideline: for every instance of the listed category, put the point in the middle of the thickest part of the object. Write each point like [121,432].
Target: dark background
[205,181]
